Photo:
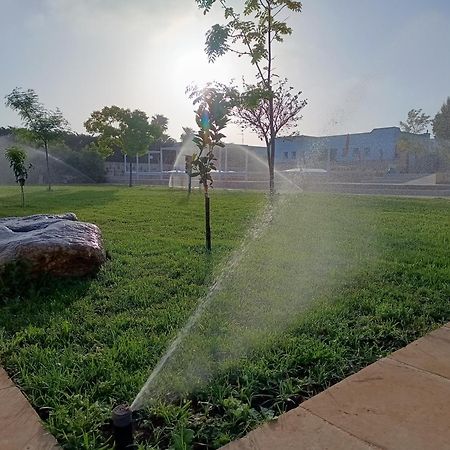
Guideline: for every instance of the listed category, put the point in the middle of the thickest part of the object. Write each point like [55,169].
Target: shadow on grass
[60,199]
[26,300]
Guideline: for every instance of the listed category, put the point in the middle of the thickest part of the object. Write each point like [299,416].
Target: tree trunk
[272,149]
[207,219]
[23,196]
[271,118]
[48,166]
[131,174]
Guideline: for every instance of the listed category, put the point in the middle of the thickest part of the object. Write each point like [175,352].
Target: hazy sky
[360,63]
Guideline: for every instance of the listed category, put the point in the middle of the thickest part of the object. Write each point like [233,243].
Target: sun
[192,67]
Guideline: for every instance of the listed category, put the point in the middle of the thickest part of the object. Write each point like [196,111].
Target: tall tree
[441,130]
[43,125]
[128,130]
[160,123]
[441,122]
[417,122]
[211,117]
[17,158]
[252,32]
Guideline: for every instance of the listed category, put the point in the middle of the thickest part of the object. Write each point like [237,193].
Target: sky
[361,64]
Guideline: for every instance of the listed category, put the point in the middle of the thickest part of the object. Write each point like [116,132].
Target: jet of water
[295,254]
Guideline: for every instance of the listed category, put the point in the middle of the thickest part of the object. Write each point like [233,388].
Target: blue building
[377,148]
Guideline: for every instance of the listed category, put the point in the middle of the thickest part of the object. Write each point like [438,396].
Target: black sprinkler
[123,427]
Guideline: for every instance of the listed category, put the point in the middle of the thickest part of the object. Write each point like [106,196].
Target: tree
[253,33]
[160,124]
[211,117]
[43,126]
[128,130]
[252,109]
[441,122]
[416,123]
[17,158]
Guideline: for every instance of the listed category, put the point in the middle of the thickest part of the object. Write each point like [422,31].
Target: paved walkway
[400,402]
[20,426]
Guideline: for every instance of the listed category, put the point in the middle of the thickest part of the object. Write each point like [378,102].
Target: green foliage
[128,130]
[211,117]
[17,158]
[123,128]
[43,125]
[160,124]
[416,123]
[17,161]
[249,28]
[441,122]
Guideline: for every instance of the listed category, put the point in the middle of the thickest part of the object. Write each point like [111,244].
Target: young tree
[252,109]
[17,158]
[43,126]
[211,117]
[441,122]
[417,122]
[253,33]
[128,130]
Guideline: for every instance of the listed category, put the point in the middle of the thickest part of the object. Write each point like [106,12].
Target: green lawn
[331,284]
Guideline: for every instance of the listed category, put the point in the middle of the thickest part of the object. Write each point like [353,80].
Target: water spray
[123,427]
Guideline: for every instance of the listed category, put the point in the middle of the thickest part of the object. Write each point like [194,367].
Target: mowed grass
[77,348]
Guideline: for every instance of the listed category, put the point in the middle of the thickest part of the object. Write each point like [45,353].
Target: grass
[368,274]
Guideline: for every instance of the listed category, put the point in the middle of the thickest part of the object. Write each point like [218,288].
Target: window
[286,155]
[367,151]
[294,155]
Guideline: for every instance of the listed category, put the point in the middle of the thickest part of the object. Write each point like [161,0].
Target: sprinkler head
[123,427]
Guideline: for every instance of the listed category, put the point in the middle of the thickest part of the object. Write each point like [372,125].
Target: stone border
[21,427]
[399,402]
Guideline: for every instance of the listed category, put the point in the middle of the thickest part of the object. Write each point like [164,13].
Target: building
[380,148]
[158,165]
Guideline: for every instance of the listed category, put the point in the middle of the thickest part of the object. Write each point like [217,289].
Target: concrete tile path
[20,426]
[401,402]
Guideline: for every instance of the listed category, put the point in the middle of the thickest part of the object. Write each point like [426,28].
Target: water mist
[296,254]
